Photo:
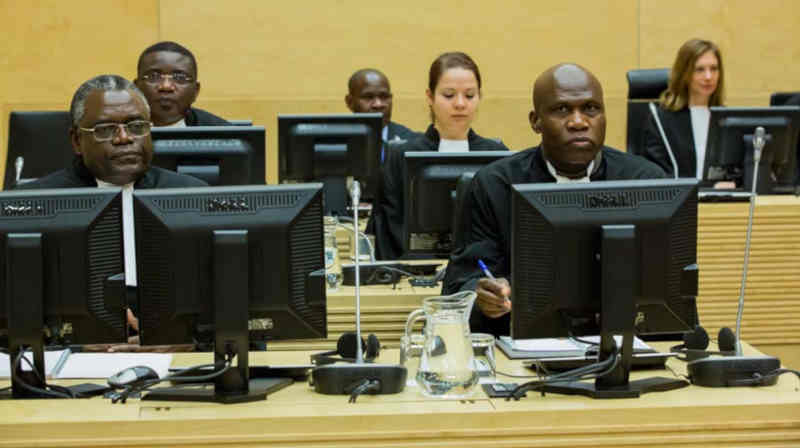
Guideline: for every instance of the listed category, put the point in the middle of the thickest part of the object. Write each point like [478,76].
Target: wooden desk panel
[772,300]
[295,416]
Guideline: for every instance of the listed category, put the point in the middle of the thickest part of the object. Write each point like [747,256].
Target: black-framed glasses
[107,131]
[177,77]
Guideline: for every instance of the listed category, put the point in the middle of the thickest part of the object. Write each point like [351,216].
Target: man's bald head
[569,113]
[369,91]
[563,76]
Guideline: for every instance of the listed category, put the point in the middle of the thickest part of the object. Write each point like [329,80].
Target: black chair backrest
[780,98]
[461,212]
[41,138]
[241,122]
[644,86]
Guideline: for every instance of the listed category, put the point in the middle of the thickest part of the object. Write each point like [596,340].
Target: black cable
[592,371]
[191,380]
[57,392]
[367,385]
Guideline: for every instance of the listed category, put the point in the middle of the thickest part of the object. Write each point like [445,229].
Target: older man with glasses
[110,137]
[167,75]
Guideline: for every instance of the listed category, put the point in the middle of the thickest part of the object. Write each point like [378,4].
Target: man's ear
[533,117]
[347,101]
[75,139]
[196,92]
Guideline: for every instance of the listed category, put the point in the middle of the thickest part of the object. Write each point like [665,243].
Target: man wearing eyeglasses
[167,75]
[110,137]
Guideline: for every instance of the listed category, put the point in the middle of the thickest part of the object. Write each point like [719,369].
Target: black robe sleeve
[489,213]
[653,148]
[388,207]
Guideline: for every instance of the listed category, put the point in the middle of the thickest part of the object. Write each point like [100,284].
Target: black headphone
[696,341]
[346,350]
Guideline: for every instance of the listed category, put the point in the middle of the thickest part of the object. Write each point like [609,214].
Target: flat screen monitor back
[329,149]
[41,139]
[729,149]
[429,186]
[556,263]
[219,155]
[177,265]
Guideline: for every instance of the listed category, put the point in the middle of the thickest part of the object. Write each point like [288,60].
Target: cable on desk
[366,386]
[49,390]
[592,371]
[177,376]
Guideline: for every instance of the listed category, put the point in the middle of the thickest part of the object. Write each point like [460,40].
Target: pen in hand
[488,274]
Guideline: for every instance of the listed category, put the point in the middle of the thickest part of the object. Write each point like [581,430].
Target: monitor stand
[25,308]
[231,337]
[619,273]
[334,191]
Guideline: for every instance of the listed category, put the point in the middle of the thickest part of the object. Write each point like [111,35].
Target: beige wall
[260,58]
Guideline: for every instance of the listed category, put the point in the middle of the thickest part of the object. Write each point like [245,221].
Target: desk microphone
[359,378]
[739,370]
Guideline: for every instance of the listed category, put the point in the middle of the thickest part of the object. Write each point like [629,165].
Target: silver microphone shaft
[759,139]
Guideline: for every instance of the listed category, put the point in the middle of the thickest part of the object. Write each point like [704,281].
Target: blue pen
[485,270]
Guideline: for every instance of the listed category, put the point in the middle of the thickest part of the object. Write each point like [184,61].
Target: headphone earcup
[346,346]
[726,340]
[696,339]
[373,348]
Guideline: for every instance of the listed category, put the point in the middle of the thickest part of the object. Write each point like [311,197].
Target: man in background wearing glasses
[167,75]
[110,137]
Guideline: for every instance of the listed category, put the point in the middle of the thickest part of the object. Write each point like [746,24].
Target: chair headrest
[647,84]
[781,98]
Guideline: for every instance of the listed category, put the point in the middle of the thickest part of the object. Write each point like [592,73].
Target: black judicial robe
[387,211]
[199,117]
[678,129]
[488,209]
[78,176]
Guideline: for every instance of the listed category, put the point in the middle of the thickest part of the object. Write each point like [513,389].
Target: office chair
[41,139]
[780,98]
[644,86]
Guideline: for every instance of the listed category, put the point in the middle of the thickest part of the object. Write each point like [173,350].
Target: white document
[543,345]
[52,362]
[103,365]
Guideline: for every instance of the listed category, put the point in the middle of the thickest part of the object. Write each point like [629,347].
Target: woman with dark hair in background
[696,83]
[453,95]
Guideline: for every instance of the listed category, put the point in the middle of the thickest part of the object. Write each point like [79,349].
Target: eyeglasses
[105,132]
[177,77]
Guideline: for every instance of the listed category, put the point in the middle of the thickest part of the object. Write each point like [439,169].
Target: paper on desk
[638,344]
[52,361]
[543,344]
[103,365]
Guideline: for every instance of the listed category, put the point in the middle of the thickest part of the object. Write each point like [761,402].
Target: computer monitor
[38,144]
[729,148]
[60,249]
[329,149]
[219,155]
[429,186]
[604,257]
[246,260]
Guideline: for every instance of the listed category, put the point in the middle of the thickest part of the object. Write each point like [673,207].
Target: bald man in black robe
[569,113]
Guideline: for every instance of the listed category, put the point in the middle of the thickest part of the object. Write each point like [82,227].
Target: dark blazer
[387,210]
[199,117]
[77,175]
[678,128]
[488,237]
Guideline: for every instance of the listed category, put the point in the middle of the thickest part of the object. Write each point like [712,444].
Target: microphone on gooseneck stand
[739,370]
[359,378]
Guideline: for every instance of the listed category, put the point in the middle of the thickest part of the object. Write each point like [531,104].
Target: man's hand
[493,297]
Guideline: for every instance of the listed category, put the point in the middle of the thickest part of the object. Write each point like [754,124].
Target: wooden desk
[295,416]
